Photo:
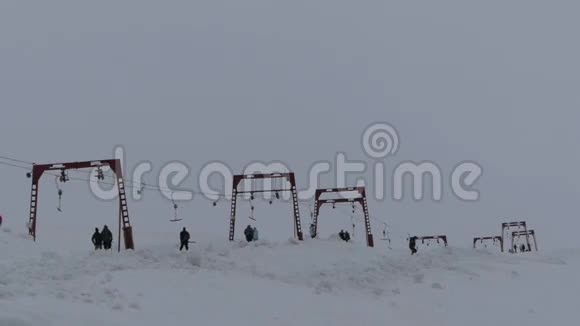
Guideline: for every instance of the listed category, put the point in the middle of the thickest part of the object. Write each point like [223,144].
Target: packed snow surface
[315,282]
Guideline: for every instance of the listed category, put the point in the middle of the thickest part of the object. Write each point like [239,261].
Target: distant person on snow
[97,239]
[107,237]
[249,233]
[413,245]
[255,234]
[523,248]
[184,239]
[346,236]
[312,231]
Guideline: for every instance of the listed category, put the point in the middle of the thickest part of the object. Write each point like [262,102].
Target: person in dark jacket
[184,238]
[312,231]
[346,236]
[107,237]
[413,245]
[97,239]
[249,233]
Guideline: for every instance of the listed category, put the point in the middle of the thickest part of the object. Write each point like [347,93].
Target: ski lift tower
[114,164]
[289,177]
[522,225]
[527,234]
[361,199]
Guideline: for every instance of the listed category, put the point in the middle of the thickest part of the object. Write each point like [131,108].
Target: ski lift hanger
[64,178]
[175,207]
[252,198]
[252,210]
[58,179]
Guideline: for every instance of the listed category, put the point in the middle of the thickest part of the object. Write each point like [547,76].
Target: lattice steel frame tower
[287,176]
[361,199]
[520,225]
[114,164]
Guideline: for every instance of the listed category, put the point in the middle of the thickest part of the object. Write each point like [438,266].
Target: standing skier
[249,233]
[184,238]
[97,239]
[413,245]
[346,236]
[107,237]
[312,231]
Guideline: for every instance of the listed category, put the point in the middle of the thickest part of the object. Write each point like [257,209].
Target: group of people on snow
[251,233]
[521,248]
[102,239]
[344,235]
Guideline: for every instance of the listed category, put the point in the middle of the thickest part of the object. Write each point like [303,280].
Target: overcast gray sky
[237,81]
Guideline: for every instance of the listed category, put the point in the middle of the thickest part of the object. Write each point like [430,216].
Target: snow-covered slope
[285,283]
